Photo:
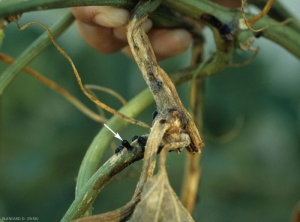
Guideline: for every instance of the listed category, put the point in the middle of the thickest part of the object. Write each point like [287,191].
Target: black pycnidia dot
[224,29]
[212,20]
[142,141]
[158,85]
[258,34]
[154,114]
[126,144]
[119,149]
[134,138]
[172,110]
[150,70]
[162,121]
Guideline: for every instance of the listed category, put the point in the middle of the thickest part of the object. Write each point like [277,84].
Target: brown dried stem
[107,90]
[173,127]
[100,110]
[162,88]
[154,141]
[256,18]
[192,167]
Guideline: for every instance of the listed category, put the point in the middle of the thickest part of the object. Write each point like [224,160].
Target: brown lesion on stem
[165,95]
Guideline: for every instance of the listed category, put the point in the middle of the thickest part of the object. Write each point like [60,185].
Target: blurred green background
[253,177]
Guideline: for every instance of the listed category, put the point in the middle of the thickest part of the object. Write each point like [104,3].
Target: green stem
[195,8]
[20,6]
[192,8]
[104,174]
[162,17]
[33,50]
[285,36]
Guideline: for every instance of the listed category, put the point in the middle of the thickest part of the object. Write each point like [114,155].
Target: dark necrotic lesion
[134,138]
[162,121]
[137,142]
[212,20]
[126,144]
[154,114]
[142,141]
[157,85]
[223,28]
[119,149]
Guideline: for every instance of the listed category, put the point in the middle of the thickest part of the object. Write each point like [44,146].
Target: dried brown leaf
[158,200]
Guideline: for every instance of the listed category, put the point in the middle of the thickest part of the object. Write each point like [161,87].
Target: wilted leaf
[159,202]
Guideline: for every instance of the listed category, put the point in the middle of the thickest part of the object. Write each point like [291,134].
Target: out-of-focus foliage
[253,177]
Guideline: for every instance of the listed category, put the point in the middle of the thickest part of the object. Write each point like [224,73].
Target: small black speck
[258,34]
[119,149]
[150,70]
[224,30]
[154,114]
[142,141]
[127,144]
[134,138]
[163,121]
[172,110]
[158,85]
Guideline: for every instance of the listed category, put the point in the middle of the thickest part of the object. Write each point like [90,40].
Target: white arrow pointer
[116,134]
